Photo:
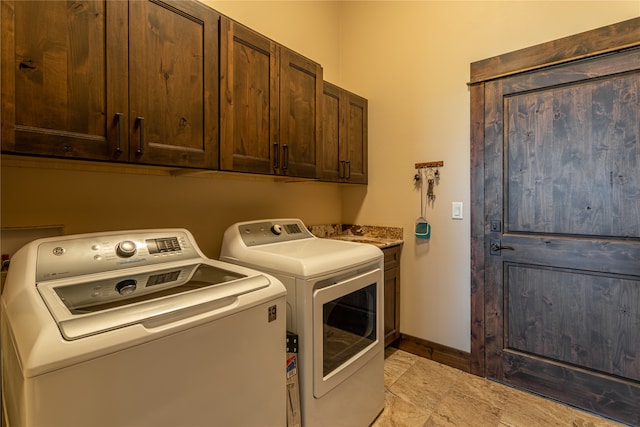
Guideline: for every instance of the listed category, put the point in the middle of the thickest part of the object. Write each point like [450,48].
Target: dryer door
[347,328]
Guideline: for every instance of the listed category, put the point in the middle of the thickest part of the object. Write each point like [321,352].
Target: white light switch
[456,210]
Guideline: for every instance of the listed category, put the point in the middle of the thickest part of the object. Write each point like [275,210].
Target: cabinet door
[344,136]
[356,136]
[173,63]
[300,115]
[391,305]
[249,100]
[64,78]
[391,294]
[332,131]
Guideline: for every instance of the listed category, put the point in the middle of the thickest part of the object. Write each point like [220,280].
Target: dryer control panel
[274,231]
[100,252]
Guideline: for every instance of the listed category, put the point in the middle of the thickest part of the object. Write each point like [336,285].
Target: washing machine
[139,328]
[334,305]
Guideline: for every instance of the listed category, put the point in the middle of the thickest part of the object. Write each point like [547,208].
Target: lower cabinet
[391,294]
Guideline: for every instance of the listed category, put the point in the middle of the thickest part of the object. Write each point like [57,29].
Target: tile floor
[422,393]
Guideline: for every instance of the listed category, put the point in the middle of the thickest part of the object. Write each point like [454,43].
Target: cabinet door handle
[119,118]
[285,164]
[140,149]
[348,164]
[276,156]
[341,169]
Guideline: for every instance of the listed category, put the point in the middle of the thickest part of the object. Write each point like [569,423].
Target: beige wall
[311,28]
[85,201]
[411,60]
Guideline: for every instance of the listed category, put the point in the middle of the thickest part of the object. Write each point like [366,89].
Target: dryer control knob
[276,229]
[126,249]
[126,287]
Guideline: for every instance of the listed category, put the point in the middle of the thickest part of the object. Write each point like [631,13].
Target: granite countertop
[382,237]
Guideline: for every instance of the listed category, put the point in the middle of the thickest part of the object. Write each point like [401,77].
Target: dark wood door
[249,100]
[300,115]
[64,78]
[562,242]
[173,62]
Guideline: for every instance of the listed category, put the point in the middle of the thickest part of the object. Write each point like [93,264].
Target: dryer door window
[348,327]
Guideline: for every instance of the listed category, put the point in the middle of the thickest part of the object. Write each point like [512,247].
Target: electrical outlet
[456,210]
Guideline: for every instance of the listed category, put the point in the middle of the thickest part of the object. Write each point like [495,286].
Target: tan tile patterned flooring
[422,393]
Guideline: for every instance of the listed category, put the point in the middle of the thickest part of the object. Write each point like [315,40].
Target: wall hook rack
[432,176]
[437,164]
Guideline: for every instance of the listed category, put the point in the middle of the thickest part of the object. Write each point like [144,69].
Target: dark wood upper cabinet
[248,99]
[170,83]
[64,78]
[300,114]
[106,80]
[344,128]
[333,126]
[173,65]
[270,106]
[357,139]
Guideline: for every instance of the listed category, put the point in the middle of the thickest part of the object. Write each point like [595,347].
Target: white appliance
[334,304]
[139,328]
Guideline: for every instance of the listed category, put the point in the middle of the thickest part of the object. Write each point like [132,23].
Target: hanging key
[430,194]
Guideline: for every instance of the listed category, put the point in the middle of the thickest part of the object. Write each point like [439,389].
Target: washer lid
[302,258]
[147,296]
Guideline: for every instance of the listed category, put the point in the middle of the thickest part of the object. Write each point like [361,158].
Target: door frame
[584,45]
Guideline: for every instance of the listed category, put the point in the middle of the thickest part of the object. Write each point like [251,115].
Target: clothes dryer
[334,304]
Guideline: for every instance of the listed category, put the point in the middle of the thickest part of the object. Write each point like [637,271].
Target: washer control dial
[276,229]
[126,249]
[126,287]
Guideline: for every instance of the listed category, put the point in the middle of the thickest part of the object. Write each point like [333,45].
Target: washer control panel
[265,232]
[100,252]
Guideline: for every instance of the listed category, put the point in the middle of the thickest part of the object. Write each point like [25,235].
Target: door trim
[611,38]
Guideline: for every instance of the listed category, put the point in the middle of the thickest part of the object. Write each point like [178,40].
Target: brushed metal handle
[119,118]
[285,164]
[140,149]
[348,167]
[276,156]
